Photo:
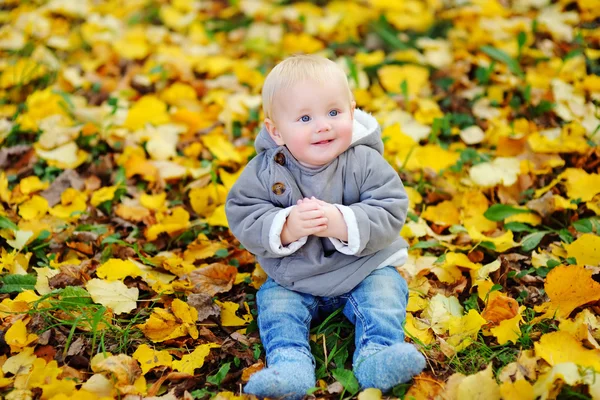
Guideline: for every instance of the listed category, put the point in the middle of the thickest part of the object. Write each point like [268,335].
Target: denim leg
[284,318]
[377,307]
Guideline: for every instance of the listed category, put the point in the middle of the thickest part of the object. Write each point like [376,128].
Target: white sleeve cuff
[275,235]
[351,247]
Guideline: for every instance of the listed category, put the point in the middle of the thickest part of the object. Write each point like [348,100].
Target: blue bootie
[289,375]
[389,366]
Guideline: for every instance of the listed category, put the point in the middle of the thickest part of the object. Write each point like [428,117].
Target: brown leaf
[544,205]
[67,179]
[77,346]
[46,352]
[6,152]
[212,279]
[85,248]
[204,305]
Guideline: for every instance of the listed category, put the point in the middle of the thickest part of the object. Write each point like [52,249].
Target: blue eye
[305,118]
[333,113]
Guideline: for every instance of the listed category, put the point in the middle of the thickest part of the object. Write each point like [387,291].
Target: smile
[323,142]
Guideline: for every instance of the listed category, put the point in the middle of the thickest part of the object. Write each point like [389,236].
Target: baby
[321,210]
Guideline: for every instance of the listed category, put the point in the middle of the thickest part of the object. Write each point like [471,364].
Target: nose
[323,126]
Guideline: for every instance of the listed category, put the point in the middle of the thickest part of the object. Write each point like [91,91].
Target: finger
[317,229]
[316,222]
[312,214]
[308,206]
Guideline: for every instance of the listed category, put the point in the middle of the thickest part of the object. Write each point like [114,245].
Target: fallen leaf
[481,386]
[114,295]
[190,362]
[213,278]
[568,287]
[150,358]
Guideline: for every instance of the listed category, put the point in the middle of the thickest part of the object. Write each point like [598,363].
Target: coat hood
[365,131]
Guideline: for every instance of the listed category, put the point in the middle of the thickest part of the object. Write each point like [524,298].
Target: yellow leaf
[66,156]
[560,347]
[178,92]
[586,249]
[518,390]
[218,217]
[116,269]
[508,329]
[175,264]
[549,385]
[502,242]
[414,197]
[132,45]
[229,179]
[43,275]
[204,200]
[191,362]
[201,248]
[20,240]
[428,156]
[163,325]
[369,59]
[32,184]
[103,194]
[528,218]
[463,330]
[440,311]
[147,110]
[123,370]
[154,202]
[473,205]
[370,394]
[185,313]
[220,146]
[568,287]
[416,78]
[479,386]
[178,220]
[580,184]
[413,328]
[17,338]
[5,193]
[503,170]
[150,358]
[301,43]
[132,213]
[228,317]
[20,362]
[34,208]
[114,295]
[444,213]
[72,204]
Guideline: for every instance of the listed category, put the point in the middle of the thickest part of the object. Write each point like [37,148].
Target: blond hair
[296,69]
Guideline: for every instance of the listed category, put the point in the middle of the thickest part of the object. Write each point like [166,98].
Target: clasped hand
[311,216]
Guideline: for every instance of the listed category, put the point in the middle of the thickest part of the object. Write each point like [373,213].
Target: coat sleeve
[381,211]
[254,220]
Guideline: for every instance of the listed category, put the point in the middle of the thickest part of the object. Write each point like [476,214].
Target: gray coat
[359,182]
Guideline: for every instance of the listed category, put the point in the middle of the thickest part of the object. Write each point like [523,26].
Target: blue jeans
[377,308]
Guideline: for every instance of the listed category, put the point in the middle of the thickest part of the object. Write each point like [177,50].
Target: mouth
[323,142]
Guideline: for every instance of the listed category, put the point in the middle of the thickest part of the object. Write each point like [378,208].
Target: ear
[352,107]
[273,131]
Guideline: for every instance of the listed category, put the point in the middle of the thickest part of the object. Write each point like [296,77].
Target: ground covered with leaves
[124,123]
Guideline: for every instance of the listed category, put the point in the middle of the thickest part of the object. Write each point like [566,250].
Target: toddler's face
[314,121]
